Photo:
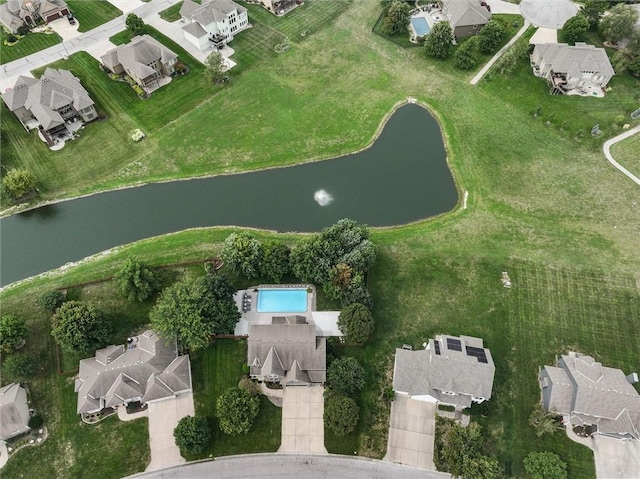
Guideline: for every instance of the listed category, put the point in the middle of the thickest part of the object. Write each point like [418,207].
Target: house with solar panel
[212,23]
[147,369]
[450,370]
[592,398]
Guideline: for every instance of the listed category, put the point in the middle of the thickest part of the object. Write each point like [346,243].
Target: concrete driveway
[303,420]
[63,28]
[411,432]
[616,458]
[163,418]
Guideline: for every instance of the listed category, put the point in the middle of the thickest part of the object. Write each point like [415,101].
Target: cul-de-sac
[320,238]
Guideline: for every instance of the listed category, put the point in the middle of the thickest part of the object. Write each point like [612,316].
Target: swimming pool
[420,25]
[282,301]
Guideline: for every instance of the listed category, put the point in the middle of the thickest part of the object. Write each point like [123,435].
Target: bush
[192,435]
[36,422]
[545,465]
[243,254]
[446,407]
[466,57]
[356,323]
[18,182]
[20,367]
[341,415]
[575,28]
[51,300]
[11,38]
[345,376]
[439,42]
[79,327]
[23,30]
[236,410]
[135,280]
[247,384]
[13,331]
[634,67]
[491,36]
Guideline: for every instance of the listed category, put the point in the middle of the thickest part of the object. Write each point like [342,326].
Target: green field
[544,205]
[31,43]
[92,13]
[172,13]
[626,153]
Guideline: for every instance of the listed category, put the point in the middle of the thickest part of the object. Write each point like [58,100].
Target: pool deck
[430,15]
[326,321]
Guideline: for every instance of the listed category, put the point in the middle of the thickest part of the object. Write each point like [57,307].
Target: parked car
[71,19]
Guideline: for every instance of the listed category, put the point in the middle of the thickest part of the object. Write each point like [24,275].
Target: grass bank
[626,153]
[30,43]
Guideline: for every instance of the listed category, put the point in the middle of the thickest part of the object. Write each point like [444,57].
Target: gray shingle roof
[572,60]
[149,371]
[462,13]
[14,12]
[209,11]
[137,54]
[424,372]
[195,29]
[599,395]
[14,411]
[291,351]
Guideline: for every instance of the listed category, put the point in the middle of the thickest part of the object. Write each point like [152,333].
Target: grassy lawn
[172,13]
[626,153]
[31,43]
[92,13]
[214,371]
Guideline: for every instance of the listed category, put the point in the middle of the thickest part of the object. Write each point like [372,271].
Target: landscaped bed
[30,43]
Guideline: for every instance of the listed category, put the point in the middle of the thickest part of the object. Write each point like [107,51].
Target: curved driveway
[278,466]
[607,152]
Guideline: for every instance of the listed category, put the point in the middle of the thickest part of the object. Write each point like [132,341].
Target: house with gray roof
[572,68]
[15,13]
[144,59]
[456,371]
[589,394]
[212,23]
[50,103]
[14,411]
[287,351]
[466,17]
[147,369]
[278,7]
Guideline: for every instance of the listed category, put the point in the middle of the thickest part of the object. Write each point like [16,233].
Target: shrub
[465,57]
[51,300]
[356,323]
[79,327]
[545,465]
[439,42]
[11,38]
[249,385]
[491,35]
[236,410]
[135,280]
[36,422]
[18,182]
[346,376]
[243,254]
[341,415]
[23,30]
[20,367]
[192,435]
[13,331]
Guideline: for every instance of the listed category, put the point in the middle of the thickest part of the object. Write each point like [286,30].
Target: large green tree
[543,421]
[275,263]
[545,465]
[135,280]
[79,327]
[181,311]
[345,376]
[618,23]
[236,410]
[439,42]
[18,182]
[215,68]
[341,415]
[219,306]
[134,23]
[192,435]
[593,11]
[575,29]
[466,56]
[396,19]
[243,254]
[51,300]
[19,367]
[356,323]
[13,330]
[491,36]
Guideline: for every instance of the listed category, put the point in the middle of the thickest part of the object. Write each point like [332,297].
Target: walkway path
[607,152]
[495,57]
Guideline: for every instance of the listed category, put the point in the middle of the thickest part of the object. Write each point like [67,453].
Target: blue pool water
[282,301]
[421,26]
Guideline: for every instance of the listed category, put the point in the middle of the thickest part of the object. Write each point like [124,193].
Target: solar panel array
[437,346]
[454,344]
[477,353]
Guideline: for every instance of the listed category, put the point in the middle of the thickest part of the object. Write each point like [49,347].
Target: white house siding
[200,43]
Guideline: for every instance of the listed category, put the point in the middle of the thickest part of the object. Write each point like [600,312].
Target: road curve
[606,148]
[283,466]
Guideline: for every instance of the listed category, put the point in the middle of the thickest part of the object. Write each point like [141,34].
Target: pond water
[402,177]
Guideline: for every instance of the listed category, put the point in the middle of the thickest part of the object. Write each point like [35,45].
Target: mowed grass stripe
[31,43]
[92,13]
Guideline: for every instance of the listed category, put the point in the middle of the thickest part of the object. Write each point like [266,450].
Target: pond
[403,177]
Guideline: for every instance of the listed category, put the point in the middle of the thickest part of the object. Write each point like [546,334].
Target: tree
[439,42]
[634,67]
[236,410]
[134,23]
[181,311]
[341,415]
[466,57]
[51,300]
[243,254]
[491,35]
[135,280]
[386,4]
[275,263]
[545,465]
[18,182]
[13,332]
[79,327]
[356,323]
[396,20]
[345,376]
[192,435]
[19,367]
[215,68]
[219,306]
[510,59]
[543,421]
[575,28]
[618,23]
[593,11]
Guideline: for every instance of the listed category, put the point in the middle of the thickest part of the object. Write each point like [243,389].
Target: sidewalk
[606,148]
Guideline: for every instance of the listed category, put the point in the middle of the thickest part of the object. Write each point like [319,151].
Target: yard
[93,13]
[31,43]
[626,153]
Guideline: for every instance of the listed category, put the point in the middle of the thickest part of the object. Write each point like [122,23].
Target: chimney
[632,378]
